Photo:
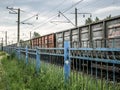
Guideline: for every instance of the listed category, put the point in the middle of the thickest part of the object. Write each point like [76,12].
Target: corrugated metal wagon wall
[85,36]
[59,39]
[75,36]
[113,33]
[97,35]
[104,33]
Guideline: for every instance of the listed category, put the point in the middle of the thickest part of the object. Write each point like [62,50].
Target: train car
[102,34]
[75,38]
[113,32]
[46,41]
[34,42]
[97,34]
[71,35]
[105,33]
[13,45]
[25,43]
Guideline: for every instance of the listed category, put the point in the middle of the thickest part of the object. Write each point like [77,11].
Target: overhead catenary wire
[56,7]
[39,13]
[59,5]
[42,25]
[36,15]
[72,6]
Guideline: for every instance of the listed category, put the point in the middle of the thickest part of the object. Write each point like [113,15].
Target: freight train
[105,33]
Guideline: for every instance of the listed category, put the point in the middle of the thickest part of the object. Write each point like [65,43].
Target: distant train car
[25,43]
[46,41]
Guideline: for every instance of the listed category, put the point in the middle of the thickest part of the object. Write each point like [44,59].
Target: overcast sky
[47,11]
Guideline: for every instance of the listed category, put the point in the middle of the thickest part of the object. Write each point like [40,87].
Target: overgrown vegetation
[20,76]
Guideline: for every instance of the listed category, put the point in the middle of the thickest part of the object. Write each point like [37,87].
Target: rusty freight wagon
[46,41]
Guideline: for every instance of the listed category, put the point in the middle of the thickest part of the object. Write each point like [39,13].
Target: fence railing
[101,64]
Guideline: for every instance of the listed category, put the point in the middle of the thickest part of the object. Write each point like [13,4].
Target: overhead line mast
[76,16]
[13,11]
[17,11]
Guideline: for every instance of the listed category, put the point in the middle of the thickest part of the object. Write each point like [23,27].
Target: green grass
[2,73]
[20,76]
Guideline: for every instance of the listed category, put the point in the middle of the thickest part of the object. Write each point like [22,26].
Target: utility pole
[18,40]
[12,11]
[6,38]
[76,17]
[2,44]
[30,40]
[30,35]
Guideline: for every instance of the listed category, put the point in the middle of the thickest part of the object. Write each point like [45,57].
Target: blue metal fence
[102,64]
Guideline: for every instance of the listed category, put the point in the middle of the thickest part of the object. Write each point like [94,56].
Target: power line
[36,15]
[66,18]
[23,22]
[72,6]
[57,15]
[57,6]
[47,14]
[41,25]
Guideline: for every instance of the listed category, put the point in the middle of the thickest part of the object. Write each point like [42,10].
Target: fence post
[66,61]
[26,55]
[16,52]
[37,60]
[19,53]
[7,49]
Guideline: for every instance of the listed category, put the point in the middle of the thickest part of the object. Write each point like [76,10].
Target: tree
[97,19]
[108,17]
[88,21]
[35,35]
